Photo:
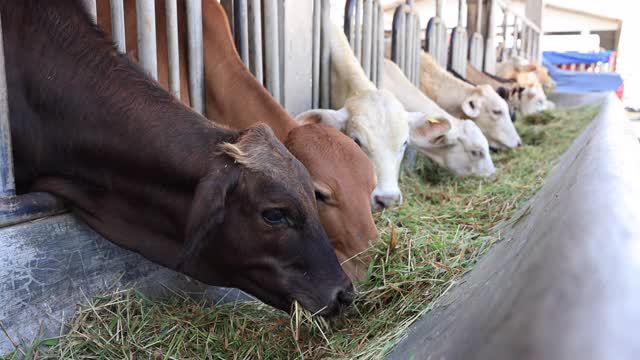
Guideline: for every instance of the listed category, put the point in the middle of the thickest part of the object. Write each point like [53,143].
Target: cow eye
[321,196]
[497,112]
[357,141]
[475,153]
[274,217]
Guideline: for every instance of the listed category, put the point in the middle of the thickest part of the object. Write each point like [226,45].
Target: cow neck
[233,95]
[348,77]
[108,115]
[442,87]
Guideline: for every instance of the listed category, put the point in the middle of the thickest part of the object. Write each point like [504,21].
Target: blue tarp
[574,57]
[582,81]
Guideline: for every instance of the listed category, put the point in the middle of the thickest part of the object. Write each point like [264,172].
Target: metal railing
[436,36]
[364,27]
[476,41]
[519,35]
[406,41]
[459,48]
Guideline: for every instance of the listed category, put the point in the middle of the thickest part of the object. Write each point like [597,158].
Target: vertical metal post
[349,27]
[272,48]
[173,52]
[375,43]
[117,25]
[490,48]
[7,181]
[366,37]
[402,40]
[417,49]
[229,10]
[241,26]
[255,50]
[479,16]
[325,56]
[357,46]
[146,26]
[196,57]
[439,7]
[90,5]
[410,42]
[315,54]
[505,27]
[462,13]
[380,55]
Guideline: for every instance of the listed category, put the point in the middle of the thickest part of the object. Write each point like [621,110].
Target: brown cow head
[254,225]
[344,178]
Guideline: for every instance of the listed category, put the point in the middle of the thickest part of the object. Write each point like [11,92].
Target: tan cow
[525,96]
[373,118]
[480,103]
[342,174]
[525,72]
[463,149]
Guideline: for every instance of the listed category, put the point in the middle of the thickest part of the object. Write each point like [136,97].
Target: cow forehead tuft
[258,150]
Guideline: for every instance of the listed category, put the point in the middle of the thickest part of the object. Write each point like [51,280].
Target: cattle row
[244,195]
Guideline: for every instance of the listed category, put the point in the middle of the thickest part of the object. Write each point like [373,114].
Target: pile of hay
[425,246]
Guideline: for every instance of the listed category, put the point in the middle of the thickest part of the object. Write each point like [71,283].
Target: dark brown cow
[228,208]
[342,174]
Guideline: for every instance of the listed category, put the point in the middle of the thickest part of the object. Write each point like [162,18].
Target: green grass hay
[439,234]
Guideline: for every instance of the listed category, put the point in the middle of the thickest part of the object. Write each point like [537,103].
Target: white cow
[480,103]
[373,118]
[463,149]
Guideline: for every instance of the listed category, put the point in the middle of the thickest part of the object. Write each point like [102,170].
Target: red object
[620,91]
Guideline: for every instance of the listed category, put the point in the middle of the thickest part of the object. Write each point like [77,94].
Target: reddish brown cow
[228,208]
[342,174]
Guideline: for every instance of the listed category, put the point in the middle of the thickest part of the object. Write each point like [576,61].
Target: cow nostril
[519,143]
[380,202]
[345,297]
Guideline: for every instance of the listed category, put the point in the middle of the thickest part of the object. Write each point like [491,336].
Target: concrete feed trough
[564,282]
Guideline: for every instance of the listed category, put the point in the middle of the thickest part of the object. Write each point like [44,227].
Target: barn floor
[445,226]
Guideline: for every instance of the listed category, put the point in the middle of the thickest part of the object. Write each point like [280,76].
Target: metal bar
[357,49]
[173,51]
[374,43]
[479,16]
[417,49]
[489,45]
[409,44]
[315,54]
[325,56]
[241,26]
[229,9]
[505,25]
[271,48]
[146,26]
[90,6]
[439,8]
[117,25]
[281,48]
[462,14]
[402,41]
[7,180]
[196,58]
[366,37]
[380,56]
[349,9]
[255,40]
[524,19]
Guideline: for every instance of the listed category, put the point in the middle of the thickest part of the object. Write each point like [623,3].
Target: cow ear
[207,212]
[335,118]
[471,106]
[503,92]
[428,132]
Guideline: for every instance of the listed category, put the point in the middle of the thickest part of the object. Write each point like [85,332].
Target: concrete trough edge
[563,281]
